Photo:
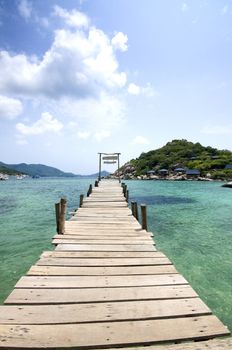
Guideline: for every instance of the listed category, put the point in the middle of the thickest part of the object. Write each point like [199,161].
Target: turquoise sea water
[192,222]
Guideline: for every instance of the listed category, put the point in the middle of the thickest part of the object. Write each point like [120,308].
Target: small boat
[228,184]
[4,177]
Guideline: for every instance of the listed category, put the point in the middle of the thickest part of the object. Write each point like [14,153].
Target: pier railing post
[134,208]
[127,195]
[124,190]
[89,190]
[63,204]
[96,183]
[81,200]
[57,210]
[144,216]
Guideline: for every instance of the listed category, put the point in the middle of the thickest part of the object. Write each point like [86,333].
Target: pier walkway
[104,286]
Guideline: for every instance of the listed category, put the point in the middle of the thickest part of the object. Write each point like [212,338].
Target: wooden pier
[105,286]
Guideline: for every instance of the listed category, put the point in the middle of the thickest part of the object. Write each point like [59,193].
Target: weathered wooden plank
[98,281]
[76,240]
[85,295]
[96,254]
[107,235]
[100,239]
[212,344]
[107,215]
[107,224]
[37,270]
[103,230]
[102,261]
[79,225]
[102,312]
[104,219]
[104,205]
[116,211]
[106,247]
[105,198]
[105,334]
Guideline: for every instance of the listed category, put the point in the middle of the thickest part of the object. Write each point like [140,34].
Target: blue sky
[87,76]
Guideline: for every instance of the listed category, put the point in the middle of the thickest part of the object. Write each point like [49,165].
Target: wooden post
[96,183]
[144,216]
[136,211]
[127,195]
[57,209]
[118,169]
[99,175]
[63,204]
[124,190]
[89,190]
[133,208]
[81,200]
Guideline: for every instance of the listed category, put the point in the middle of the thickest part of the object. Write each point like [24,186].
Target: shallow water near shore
[192,222]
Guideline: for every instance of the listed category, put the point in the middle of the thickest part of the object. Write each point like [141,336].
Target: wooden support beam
[124,190]
[144,216]
[127,195]
[63,204]
[134,208]
[81,200]
[57,210]
[90,190]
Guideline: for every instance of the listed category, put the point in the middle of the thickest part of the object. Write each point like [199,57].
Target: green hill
[7,171]
[35,170]
[182,153]
[40,170]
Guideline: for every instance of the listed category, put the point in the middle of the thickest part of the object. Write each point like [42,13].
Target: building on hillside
[179,171]
[163,172]
[193,173]
[151,172]
[228,167]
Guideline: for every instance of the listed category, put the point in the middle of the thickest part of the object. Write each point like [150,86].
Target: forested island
[181,159]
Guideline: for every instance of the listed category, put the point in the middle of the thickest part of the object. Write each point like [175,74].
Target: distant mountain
[41,171]
[36,170]
[5,170]
[103,174]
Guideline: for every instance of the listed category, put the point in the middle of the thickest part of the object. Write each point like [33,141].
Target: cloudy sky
[79,77]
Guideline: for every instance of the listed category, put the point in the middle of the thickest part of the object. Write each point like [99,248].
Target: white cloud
[78,77]
[217,130]
[25,9]
[106,112]
[84,135]
[10,107]
[224,10]
[78,64]
[101,135]
[147,90]
[133,89]
[47,123]
[184,7]
[140,140]
[119,41]
[73,18]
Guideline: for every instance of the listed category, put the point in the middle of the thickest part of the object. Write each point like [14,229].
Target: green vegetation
[34,170]
[182,153]
[40,170]
[7,171]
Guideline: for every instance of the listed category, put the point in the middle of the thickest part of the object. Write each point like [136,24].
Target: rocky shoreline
[166,178]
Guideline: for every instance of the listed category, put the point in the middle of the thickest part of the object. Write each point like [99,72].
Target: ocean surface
[192,223]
